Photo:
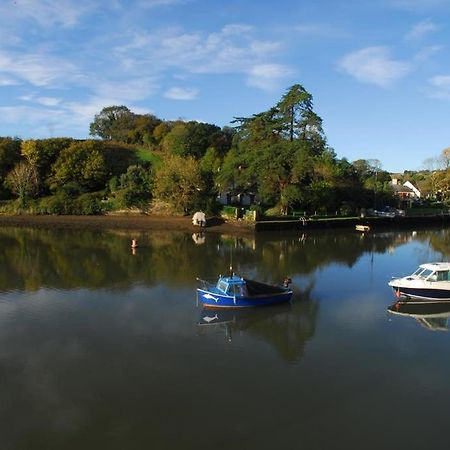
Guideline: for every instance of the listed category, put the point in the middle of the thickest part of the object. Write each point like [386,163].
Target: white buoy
[134,243]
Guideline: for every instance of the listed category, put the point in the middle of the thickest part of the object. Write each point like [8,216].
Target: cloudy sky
[379,70]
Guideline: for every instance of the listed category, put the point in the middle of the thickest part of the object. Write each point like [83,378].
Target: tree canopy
[120,124]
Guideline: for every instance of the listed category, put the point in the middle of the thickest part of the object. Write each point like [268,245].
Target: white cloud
[178,93]
[427,52]
[421,29]
[7,81]
[440,86]
[374,65]
[45,101]
[48,101]
[235,29]
[34,118]
[126,91]
[233,49]
[45,12]
[267,76]
[37,69]
[155,3]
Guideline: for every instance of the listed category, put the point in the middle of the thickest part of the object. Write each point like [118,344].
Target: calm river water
[104,349]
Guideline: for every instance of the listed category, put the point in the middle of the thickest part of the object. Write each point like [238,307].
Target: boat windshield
[222,286]
[431,275]
[426,273]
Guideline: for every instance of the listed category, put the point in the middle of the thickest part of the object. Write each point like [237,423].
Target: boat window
[233,289]
[417,272]
[222,286]
[426,273]
[442,275]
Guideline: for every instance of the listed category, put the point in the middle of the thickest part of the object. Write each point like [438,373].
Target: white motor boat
[429,283]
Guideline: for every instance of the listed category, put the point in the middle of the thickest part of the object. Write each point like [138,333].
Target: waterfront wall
[351,222]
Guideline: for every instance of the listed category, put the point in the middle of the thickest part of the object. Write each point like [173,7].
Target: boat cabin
[233,286]
[433,272]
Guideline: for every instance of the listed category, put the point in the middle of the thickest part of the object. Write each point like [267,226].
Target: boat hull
[422,294]
[214,300]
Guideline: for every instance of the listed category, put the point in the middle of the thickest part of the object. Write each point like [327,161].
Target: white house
[413,188]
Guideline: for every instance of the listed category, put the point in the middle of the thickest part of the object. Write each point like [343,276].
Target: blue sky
[379,70]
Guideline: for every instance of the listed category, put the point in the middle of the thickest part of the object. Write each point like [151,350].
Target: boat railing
[205,284]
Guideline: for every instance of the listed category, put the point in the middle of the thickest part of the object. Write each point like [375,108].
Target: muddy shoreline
[127,222]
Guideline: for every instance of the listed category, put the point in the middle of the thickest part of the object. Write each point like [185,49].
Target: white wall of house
[413,188]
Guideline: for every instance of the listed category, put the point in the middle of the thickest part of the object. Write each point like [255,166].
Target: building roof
[399,188]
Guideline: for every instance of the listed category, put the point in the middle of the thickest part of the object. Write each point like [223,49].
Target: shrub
[229,212]
[88,204]
[59,204]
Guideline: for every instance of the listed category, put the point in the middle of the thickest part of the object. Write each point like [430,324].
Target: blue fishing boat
[236,292]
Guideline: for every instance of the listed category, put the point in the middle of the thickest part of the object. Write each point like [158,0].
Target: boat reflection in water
[242,319]
[286,327]
[199,238]
[433,316]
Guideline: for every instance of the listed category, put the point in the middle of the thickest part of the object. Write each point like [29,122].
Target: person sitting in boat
[243,290]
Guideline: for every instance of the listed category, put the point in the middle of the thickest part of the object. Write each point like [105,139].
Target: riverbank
[214,225]
[127,222]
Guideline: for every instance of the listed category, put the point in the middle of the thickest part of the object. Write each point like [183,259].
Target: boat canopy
[433,272]
[235,285]
[436,266]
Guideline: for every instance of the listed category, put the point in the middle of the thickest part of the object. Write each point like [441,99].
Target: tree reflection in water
[68,259]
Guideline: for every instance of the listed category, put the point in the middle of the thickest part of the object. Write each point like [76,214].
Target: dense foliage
[280,157]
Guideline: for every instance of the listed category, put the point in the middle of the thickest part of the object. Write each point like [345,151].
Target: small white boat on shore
[429,283]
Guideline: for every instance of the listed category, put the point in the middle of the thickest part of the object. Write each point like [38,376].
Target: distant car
[384,213]
[389,211]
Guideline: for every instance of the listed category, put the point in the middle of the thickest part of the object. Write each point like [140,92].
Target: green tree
[191,139]
[9,157]
[43,153]
[293,108]
[134,187]
[23,181]
[179,182]
[277,149]
[82,163]
[142,129]
[113,123]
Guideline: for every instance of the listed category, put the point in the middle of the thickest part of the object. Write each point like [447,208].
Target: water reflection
[433,316]
[67,259]
[287,328]
[100,348]
[199,238]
